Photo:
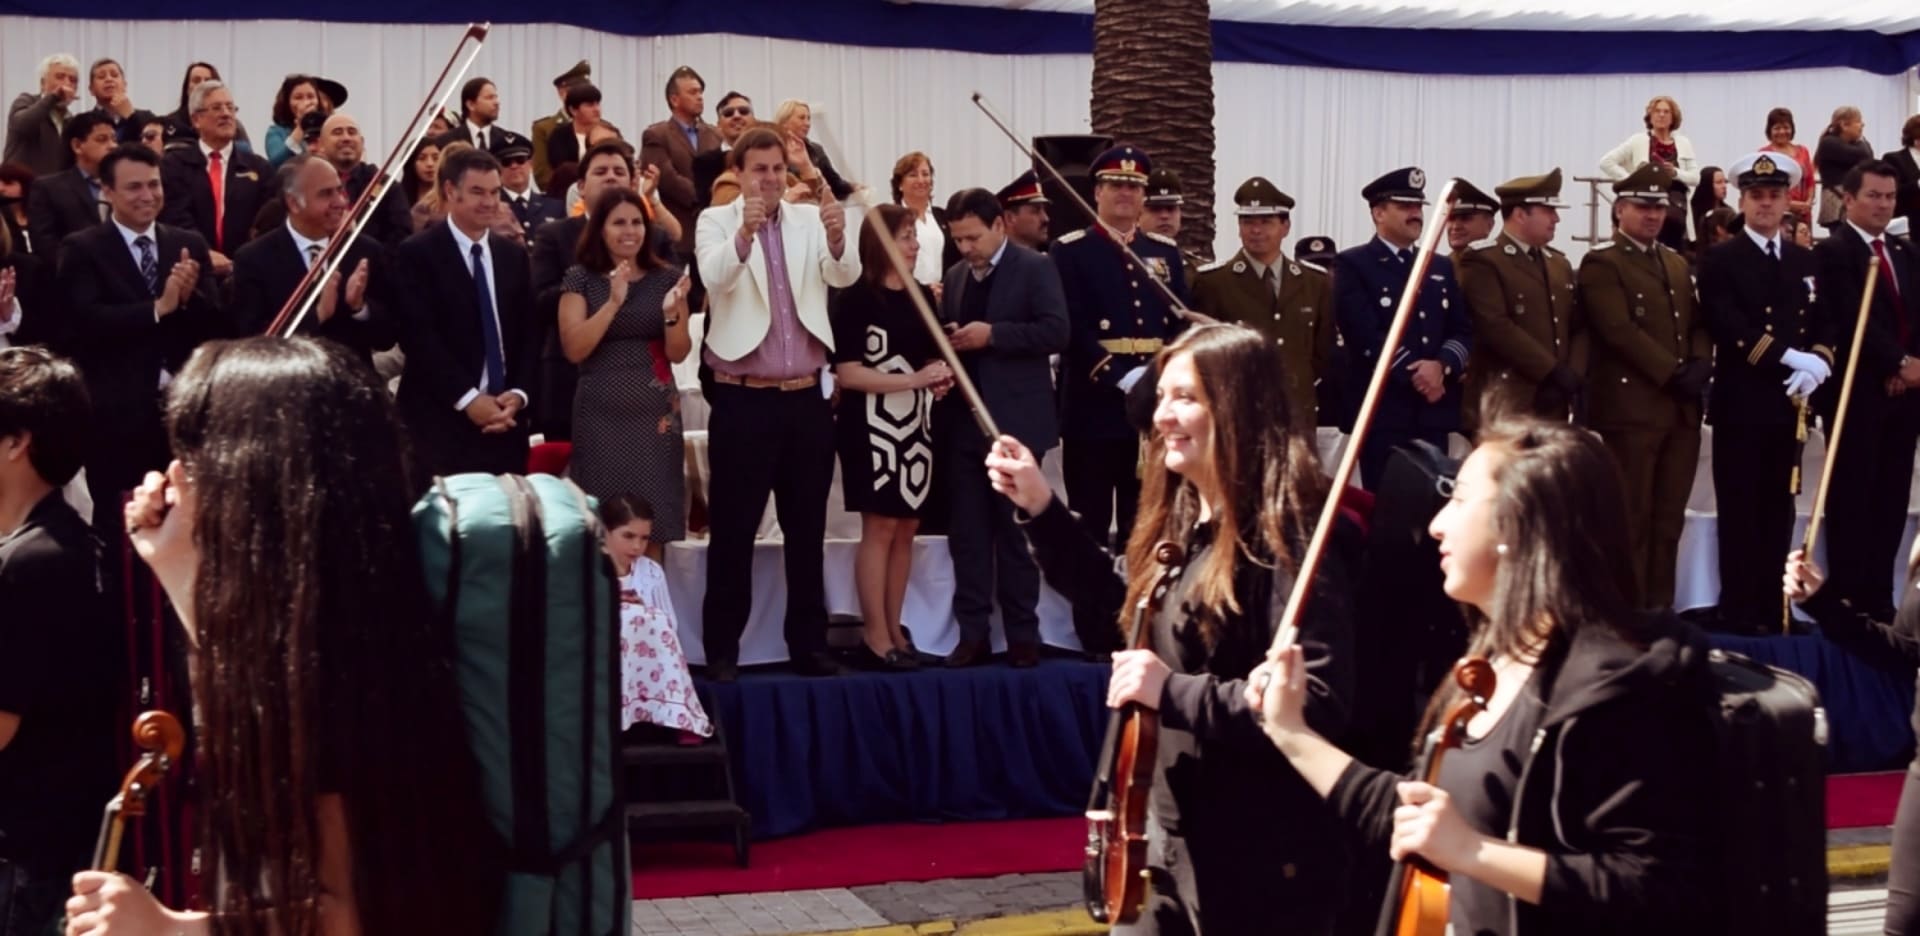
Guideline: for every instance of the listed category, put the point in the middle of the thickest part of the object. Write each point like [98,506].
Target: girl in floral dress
[655,687]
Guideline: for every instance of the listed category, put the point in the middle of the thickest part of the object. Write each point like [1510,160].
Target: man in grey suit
[35,121]
[1005,311]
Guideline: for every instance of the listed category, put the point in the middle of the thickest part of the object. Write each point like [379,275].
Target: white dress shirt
[466,243]
[303,244]
[933,245]
[1767,245]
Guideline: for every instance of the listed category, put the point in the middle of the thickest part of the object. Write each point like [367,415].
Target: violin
[161,739]
[1424,905]
[1115,876]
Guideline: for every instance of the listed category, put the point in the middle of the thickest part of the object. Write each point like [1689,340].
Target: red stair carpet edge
[1864,800]
[881,854]
[850,857]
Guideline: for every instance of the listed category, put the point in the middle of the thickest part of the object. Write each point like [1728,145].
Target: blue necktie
[149,264]
[489,327]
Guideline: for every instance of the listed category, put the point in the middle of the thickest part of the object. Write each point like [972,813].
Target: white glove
[1132,377]
[1801,384]
[1807,364]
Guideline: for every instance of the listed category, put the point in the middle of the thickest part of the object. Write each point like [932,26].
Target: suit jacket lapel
[123,260]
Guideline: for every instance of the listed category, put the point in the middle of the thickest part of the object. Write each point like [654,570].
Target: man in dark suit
[464,305]
[214,189]
[268,269]
[542,129]
[1873,469]
[569,141]
[735,115]
[1006,312]
[479,111]
[608,165]
[530,208]
[672,145]
[139,305]
[1757,295]
[1906,169]
[70,200]
[1421,400]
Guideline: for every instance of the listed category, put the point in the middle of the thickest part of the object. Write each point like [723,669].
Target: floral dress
[654,684]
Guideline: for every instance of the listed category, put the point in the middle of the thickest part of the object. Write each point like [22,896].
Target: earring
[1500,550]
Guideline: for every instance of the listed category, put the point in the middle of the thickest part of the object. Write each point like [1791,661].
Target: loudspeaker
[1073,155]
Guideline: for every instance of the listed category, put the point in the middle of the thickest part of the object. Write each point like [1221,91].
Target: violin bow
[978,406]
[1166,292]
[307,293]
[1288,629]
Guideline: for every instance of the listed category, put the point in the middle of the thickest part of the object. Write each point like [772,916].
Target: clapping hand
[676,298]
[649,181]
[618,282]
[179,285]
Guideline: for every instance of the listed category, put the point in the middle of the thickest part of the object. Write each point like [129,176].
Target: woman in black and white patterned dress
[889,373]
[623,319]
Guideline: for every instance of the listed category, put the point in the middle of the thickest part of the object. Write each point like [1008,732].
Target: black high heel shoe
[894,661]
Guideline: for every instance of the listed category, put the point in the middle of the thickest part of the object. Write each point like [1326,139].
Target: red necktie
[217,177]
[1893,289]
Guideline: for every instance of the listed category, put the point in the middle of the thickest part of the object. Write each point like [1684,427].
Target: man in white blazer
[767,267]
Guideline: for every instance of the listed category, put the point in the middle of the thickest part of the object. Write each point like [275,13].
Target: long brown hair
[1270,481]
[318,666]
[1560,510]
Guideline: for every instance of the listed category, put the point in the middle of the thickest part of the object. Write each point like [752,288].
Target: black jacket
[249,184]
[1027,310]
[61,204]
[265,273]
[1756,308]
[1616,788]
[1840,277]
[1262,843]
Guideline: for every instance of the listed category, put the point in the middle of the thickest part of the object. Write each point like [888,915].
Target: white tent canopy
[1884,16]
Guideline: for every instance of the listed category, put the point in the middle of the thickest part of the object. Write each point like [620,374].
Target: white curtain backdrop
[1319,134]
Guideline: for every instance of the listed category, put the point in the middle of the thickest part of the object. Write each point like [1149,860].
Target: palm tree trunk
[1153,87]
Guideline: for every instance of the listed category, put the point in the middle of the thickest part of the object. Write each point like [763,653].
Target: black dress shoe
[894,660]
[723,671]
[969,653]
[817,663]
[1023,654]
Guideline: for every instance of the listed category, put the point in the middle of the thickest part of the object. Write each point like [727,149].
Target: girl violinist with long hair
[337,792]
[1580,801]
[1239,841]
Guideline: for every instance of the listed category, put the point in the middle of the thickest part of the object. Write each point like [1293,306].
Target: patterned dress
[654,685]
[885,440]
[626,412]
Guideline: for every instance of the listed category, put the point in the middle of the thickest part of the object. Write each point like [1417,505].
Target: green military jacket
[1299,321]
[1526,321]
[1645,322]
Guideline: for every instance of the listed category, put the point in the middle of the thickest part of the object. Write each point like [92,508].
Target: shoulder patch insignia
[1210,267]
[1070,236]
[1162,238]
[1484,243]
[1310,265]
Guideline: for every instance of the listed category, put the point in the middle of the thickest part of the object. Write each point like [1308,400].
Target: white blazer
[1637,151]
[738,311]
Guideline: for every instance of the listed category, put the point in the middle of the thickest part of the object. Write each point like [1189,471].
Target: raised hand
[617,284]
[753,214]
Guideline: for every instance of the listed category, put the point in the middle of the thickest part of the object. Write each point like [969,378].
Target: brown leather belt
[765,383]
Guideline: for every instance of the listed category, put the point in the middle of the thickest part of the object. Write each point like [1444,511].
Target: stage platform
[993,742]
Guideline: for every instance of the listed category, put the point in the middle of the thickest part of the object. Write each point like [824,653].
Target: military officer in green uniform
[1164,216]
[543,127]
[1651,360]
[1290,302]
[1472,217]
[1530,351]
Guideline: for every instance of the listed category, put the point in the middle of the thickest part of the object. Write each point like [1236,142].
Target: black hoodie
[1616,789]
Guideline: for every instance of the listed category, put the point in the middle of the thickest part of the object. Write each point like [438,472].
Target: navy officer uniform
[1119,321]
[1367,283]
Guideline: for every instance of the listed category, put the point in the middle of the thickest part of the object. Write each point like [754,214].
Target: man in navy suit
[139,305]
[1007,312]
[213,188]
[463,300]
[268,269]
[1421,400]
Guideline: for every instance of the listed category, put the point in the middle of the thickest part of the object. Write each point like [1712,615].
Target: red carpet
[861,855]
[1863,800]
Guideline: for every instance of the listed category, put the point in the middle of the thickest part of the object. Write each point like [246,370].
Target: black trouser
[987,546]
[1903,878]
[32,903]
[1173,909]
[1103,484]
[762,442]
[1752,467]
[1867,499]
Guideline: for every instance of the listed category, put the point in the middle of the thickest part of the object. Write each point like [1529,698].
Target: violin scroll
[162,741]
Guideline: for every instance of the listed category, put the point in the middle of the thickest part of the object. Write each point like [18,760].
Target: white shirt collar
[301,241]
[994,263]
[466,243]
[226,152]
[1389,245]
[1869,238]
[474,130]
[1762,242]
[129,234]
